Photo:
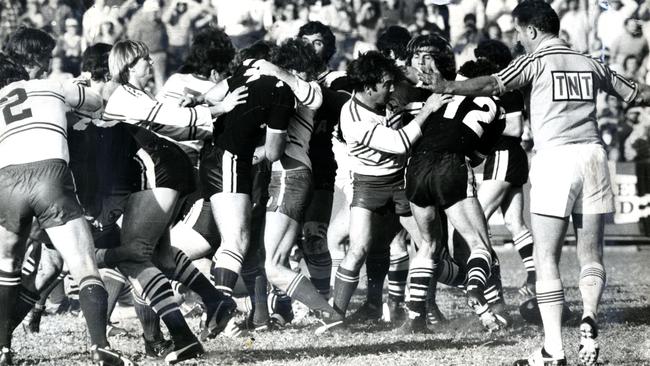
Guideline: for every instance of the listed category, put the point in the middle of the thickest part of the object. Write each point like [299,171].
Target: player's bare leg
[315,248]
[338,232]
[590,233]
[397,275]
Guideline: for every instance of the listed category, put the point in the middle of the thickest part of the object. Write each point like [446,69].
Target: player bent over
[38,183]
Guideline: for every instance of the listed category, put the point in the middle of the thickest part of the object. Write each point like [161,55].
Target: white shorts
[571,179]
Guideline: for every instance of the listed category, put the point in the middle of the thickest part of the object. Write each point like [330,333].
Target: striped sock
[157,291]
[114,281]
[592,284]
[345,284]
[92,299]
[226,265]
[478,269]
[9,287]
[148,318]
[261,315]
[301,289]
[73,288]
[320,267]
[249,273]
[550,299]
[187,274]
[377,265]
[524,245]
[25,302]
[397,274]
[450,273]
[337,257]
[421,272]
[281,303]
[493,292]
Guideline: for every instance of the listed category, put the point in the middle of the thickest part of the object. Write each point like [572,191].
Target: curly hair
[369,69]
[329,41]
[211,49]
[95,61]
[296,54]
[10,71]
[440,49]
[28,46]
[539,14]
[394,38]
[495,51]
[475,68]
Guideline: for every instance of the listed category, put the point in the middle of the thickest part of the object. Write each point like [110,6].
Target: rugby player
[38,183]
[569,174]
[377,146]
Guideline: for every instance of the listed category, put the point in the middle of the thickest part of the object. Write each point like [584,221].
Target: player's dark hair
[211,49]
[475,68]
[539,14]
[440,49]
[394,38]
[296,54]
[495,51]
[27,46]
[369,69]
[329,41]
[10,71]
[260,50]
[95,61]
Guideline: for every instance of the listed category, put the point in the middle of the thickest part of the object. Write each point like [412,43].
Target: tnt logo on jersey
[571,85]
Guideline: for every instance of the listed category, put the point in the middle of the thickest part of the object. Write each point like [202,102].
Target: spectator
[608,123]
[421,24]
[337,15]
[56,69]
[93,19]
[438,15]
[109,32]
[246,22]
[10,11]
[575,22]
[493,31]
[636,146]
[368,25]
[611,21]
[32,16]
[494,9]
[181,18]
[55,13]
[629,43]
[147,27]
[393,12]
[287,22]
[466,44]
[69,45]
[458,10]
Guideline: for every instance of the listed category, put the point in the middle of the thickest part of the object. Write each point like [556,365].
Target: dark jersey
[513,103]
[270,103]
[326,120]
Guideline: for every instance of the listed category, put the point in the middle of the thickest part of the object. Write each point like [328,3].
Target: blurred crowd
[615,31]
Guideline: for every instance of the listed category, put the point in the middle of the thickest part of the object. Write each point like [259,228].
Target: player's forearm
[643,95]
[480,86]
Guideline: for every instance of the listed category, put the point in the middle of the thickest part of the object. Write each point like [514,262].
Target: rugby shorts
[571,179]
[165,165]
[507,165]
[380,194]
[199,217]
[290,192]
[43,189]
[439,179]
[221,171]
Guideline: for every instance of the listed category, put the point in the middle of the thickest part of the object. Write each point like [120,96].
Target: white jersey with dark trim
[301,124]
[562,94]
[178,85]
[134,106]
[33,124]
[377,145]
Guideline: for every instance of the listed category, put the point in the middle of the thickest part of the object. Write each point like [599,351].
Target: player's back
[33,122]
[270,103]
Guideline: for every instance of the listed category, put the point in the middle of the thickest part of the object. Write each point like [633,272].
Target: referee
[569,173]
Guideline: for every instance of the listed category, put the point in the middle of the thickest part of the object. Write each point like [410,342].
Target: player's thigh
[513,210]
[74,242]
[590,232]
[361,234]
[185,238]
[491,194]
[147,216]
[232,212]
[466,216]
[279,237]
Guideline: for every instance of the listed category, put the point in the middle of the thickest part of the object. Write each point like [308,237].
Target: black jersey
[326,120]
[270,103]
[514,104]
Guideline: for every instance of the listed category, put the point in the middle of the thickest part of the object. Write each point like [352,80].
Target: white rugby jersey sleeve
[309,94]
[377,136]
[519,73]
[81,98]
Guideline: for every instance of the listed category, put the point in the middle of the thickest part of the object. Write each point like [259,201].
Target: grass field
[624,337]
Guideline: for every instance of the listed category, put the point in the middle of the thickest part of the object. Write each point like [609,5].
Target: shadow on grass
[353,350]
[628,315]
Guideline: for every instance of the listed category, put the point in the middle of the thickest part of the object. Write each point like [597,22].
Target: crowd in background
[616,31]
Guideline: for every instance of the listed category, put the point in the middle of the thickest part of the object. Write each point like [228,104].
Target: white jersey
[175,88]
[309,98]
[134,106]
[33,124]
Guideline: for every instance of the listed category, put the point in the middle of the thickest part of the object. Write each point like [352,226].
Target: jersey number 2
[9,116]
[473,118]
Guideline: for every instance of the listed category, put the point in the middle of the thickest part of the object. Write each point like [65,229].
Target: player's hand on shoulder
[266,68]
[235,98]
[436,101]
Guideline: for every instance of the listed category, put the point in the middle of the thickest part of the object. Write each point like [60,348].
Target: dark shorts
[165,165]
[380,194]
[508,165]
[43,189]
[200,218]
[439,179]
[104,228]
[290,192]
[323,175]
[223,172]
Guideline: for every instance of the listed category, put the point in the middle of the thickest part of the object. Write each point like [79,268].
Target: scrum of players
[240,157]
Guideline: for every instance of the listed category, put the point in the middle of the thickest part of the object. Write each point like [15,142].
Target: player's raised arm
[81,98]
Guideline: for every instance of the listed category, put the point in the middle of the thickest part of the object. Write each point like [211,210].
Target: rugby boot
[32,322]
[588,350]
[158,348]
[434,316]
[541,358]
[477,302]
[367,312]
[217,316]
[105,356]
[395,312]
[185,350]
[415,323]
[329,322]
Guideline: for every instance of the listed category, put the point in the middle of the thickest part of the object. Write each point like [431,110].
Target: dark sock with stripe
[9,288]
[226,265]
[345,284]
[159,295]
[261,315]
[114,282]
[397,274]
[301,289]
[25,302]
[377,265]
[93,302]
[421,272]
[148,318]
[187,274]
[524,245]
[478,269]
[320,268]
[281,303]
[249,275]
